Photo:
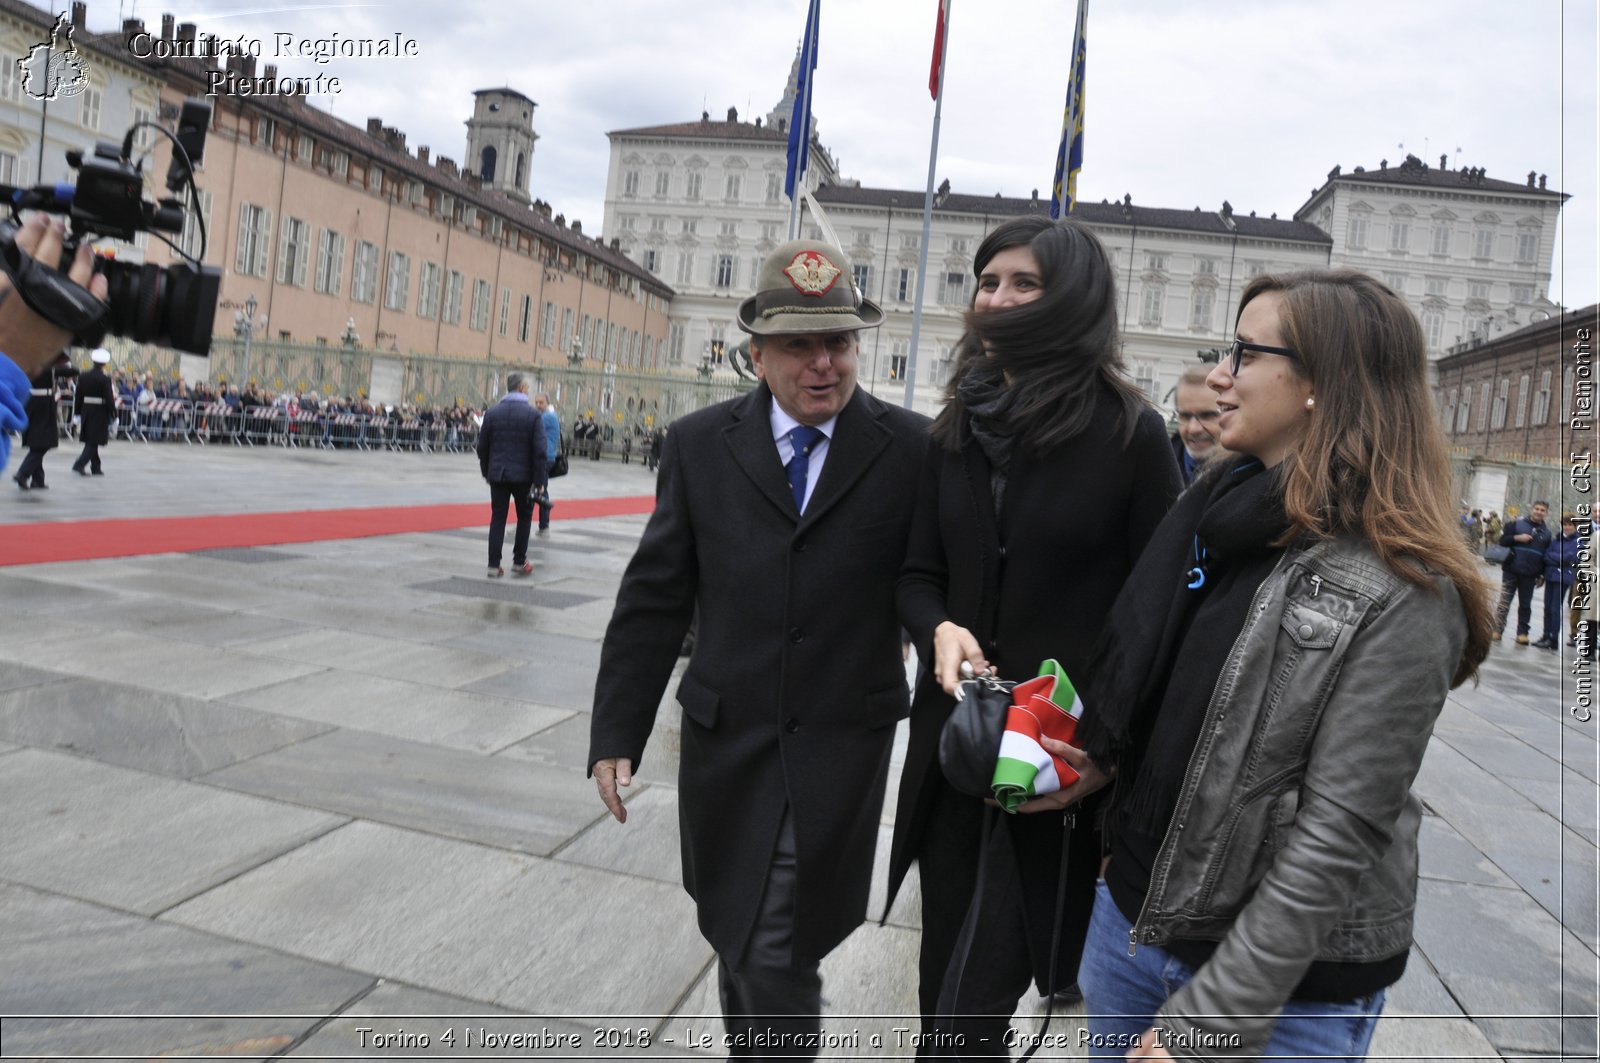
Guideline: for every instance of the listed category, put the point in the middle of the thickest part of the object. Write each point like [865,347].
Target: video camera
[173,306]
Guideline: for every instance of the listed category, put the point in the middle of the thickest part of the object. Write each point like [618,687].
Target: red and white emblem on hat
[811,273]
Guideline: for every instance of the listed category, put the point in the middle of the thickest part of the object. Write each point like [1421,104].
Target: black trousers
[90,457]
[545,506]
[501,496]
[772,1006]
[32,467]
[1521,588]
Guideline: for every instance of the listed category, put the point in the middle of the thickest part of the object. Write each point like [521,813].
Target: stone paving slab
[457,1028]
[130,840]
[174,667]
[647,845]
[495,801]
[1517,961]
[565,746]
[564,681]
[26,596]
[583,622]
[164,733]
[15,676]
[190,622]
[1445,854]
[572,662]
[406,625]
[414,711]
[352,651]
[466,920]
[66,958]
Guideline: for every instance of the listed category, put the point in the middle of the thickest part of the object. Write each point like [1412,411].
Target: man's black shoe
[80,470]
[1544,644]
[20,482]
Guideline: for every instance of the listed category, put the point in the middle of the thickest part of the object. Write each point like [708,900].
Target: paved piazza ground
[336,790]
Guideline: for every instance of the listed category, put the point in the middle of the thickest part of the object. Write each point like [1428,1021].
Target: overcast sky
[1250,101]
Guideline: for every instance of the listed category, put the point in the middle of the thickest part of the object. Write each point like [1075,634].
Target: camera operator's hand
[30,340]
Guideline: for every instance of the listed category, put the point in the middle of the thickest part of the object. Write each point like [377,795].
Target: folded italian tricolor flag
[1046,706]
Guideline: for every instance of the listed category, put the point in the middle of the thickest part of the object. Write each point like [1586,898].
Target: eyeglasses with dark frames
[1236,353]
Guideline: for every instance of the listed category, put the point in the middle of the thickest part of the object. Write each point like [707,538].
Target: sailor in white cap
[95,404]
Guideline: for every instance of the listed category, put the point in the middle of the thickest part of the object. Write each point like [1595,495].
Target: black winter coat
[1074,521]
[97,416]
[42,432]
[796,681]
[1526,560]
[511,444]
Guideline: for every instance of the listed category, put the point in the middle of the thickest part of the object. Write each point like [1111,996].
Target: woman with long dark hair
[1270,679]
[1048,473]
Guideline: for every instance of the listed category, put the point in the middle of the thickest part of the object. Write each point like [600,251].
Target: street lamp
[351,337]
[245,324]
[575,356]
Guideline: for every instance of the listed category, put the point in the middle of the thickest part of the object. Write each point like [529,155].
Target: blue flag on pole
[1069,156]
[800,117]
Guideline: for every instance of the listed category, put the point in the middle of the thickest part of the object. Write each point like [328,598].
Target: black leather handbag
[969,744]
[559,466]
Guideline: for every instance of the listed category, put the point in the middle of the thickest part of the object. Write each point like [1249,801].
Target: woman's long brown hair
[1373,462]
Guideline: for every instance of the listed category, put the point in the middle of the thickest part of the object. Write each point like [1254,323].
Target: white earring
[1310,403]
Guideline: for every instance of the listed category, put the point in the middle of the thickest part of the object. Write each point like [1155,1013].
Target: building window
[1357,233]
[1522,293]
[903,285]
[1201,311]
[1566,393]
[630,183]
[1522,401]
[675,342]
[685,268]
[729,228]
[375,178]
[735,185]
[861,273]
[1144,377]
[143,138]
[954,289]
[255,228]
[722,274]
[341,163]
[1397,281]
[1155,263]
[330,262]
[547,325]
[505,310]
[189,240]
[1151,304]
[628,222]
[1441,239]
[1483,406]
[650,259]
[90,113]
[691,185]
[1434,286]
[398,292]
[1541,400]
[8,171]
[294,250]
[1502,394]
[455,285]
[302,148]
[910,241]
[428,291]
[689,226]
[1527,247]
[525,319]
[1433,326]
[774,188]
[658,225]
[10,81]
[1205,267]
[1478,290]
[479,321]
[364,272]
[566,330]
[1483,243]
[1399,236]
[899,351]
[663,183]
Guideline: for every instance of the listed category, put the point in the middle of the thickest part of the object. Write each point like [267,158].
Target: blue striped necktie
[803,439]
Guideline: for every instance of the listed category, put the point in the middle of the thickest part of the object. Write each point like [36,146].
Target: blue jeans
[1122,993]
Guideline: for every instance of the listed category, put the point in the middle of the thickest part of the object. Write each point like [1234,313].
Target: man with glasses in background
[1197,414]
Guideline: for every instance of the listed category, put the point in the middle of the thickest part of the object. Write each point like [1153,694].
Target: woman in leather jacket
[1269,682]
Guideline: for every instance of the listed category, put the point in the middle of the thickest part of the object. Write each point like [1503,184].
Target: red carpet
[84,540]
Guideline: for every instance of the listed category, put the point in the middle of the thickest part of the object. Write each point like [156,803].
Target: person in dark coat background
[95,406]
[783,515]
[1048,472]
[42,435]
[511,456]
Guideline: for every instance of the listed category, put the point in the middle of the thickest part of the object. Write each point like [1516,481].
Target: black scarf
[989,400]
[1166,641]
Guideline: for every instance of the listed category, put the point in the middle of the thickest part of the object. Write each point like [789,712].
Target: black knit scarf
[989,400]
[1147,699]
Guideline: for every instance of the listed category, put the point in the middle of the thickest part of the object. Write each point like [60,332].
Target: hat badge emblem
[811,273]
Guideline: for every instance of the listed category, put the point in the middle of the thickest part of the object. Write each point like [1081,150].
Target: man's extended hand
[30,340]
[609,773]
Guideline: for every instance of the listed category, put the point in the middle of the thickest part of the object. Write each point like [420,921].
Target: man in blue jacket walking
[552,444]
[511,456]
[1522,569]
[1560,572]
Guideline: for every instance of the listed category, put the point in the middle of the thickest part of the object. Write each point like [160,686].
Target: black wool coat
[97,417]
[1037,583]
[42,432]
[796,680]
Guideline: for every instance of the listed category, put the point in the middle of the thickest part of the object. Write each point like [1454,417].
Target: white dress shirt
[782,425]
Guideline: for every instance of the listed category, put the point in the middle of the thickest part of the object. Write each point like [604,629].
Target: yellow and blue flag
[1069,156]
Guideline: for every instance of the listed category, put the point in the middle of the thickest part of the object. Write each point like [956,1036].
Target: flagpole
[803,162]
[927,217]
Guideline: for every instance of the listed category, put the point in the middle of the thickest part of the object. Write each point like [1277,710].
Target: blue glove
[14,387]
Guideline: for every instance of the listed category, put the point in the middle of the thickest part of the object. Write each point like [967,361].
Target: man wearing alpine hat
[783,515]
